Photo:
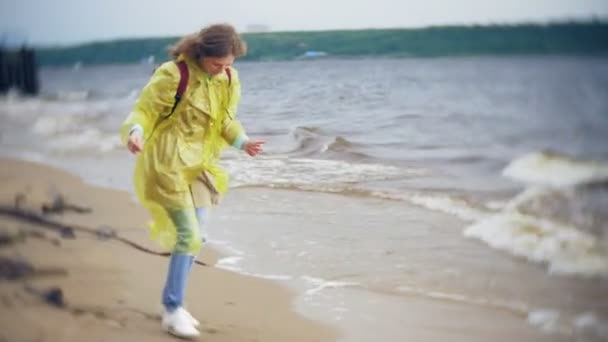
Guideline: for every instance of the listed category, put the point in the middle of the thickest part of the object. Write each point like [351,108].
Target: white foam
[496,204]
[232,264]
[589,327]
[133,94]
[518,307]
[73,95]
[565,249]
[18,109]
[331,176]
[45,126]
[549,169]
[334,176]
[280,277]
[27,155]
[84,140]
[321,284]
[546,320]
[226,246]
[51,125]
[232,260]
[268,171]
[438,202]
[449,205]
[312,280]
[63,126]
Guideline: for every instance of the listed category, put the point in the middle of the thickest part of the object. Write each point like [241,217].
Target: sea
[480,181]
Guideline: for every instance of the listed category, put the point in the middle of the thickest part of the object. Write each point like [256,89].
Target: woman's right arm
[156,99]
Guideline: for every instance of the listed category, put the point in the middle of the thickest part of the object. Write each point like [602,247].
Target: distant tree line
[588,38]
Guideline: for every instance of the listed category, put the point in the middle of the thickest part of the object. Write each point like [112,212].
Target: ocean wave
[321,284]
[559,219]
[514,306]
[231,264]
[517,226]
[556,170]
[343,148]
[70,96]
[60,126]
[55,125]
[589,326]
[87,139]
[586,326]
[565,249]
[297,142]
[349,179]
[29,110]
[308,141]
[439,202]
[341,144]
[280,171]
[546,320]
[311,141]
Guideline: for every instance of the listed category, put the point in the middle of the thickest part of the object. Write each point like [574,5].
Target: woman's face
[216,65]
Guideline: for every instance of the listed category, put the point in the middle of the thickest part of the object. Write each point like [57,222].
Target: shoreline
[299,290]
[110,290]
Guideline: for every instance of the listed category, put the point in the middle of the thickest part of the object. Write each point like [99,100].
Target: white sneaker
[194,321]
[179,323]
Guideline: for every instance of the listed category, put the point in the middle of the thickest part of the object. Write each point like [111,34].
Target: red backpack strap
[229,74]
[183,83]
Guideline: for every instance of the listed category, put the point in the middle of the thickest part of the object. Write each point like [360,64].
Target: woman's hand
[135,143]
[253,147]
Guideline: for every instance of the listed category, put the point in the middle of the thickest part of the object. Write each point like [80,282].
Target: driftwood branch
[67,231]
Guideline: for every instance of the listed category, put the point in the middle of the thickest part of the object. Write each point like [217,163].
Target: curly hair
[219,40]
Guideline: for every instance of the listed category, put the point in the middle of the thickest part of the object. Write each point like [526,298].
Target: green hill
[590,38]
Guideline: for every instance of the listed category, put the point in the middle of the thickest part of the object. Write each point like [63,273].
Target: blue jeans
[181,262]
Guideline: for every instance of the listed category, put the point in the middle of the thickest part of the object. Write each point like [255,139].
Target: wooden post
[30,72]
[4,82]
[18,69]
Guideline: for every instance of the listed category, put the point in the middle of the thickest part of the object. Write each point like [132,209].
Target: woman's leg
[176,320]
[187,245]
[203,215]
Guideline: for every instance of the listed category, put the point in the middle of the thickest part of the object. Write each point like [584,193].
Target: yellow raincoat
[179,147]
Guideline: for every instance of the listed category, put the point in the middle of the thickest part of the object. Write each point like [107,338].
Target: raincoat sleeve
[233,131]
[156,99]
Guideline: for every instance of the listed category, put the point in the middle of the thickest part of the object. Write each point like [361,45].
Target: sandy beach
[110,291]
[460,200]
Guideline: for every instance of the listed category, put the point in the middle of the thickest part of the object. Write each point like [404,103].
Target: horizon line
[602,20]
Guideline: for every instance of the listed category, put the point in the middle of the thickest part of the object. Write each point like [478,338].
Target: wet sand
[111,291]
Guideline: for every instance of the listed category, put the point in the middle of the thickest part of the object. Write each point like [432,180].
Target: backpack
[183,83]
[184,76]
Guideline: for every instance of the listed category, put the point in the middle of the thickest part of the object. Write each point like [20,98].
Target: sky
[66,22]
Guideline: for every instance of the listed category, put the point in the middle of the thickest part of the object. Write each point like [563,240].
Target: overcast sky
[72,21]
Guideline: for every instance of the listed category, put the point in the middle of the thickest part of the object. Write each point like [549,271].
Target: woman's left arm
[233,132]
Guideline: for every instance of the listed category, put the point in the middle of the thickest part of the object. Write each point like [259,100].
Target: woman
[182,120]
